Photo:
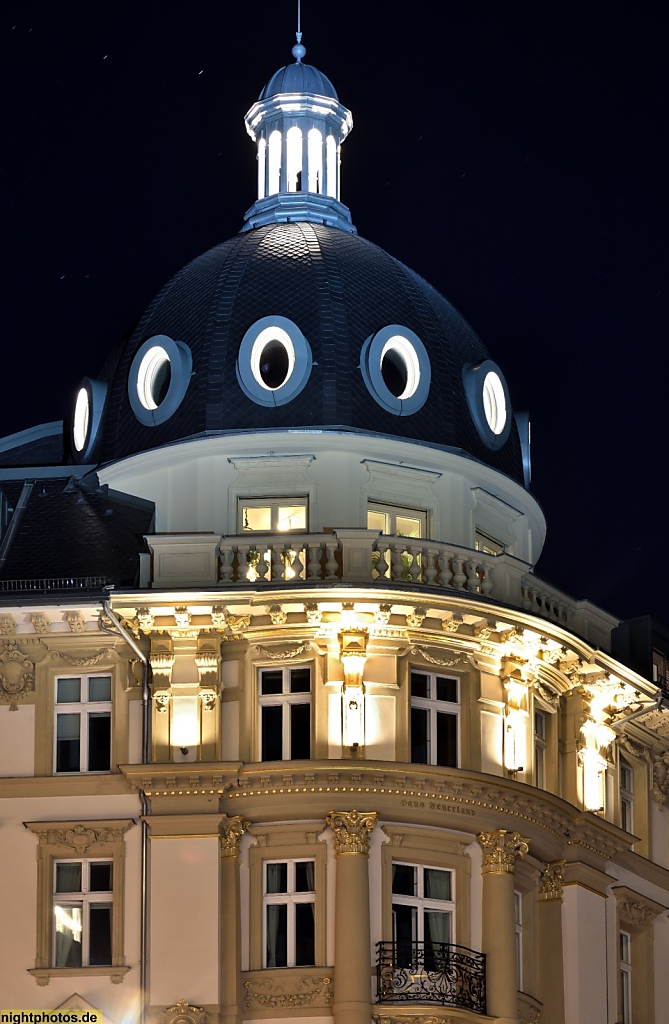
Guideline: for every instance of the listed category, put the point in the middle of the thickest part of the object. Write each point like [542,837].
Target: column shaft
[230,1001]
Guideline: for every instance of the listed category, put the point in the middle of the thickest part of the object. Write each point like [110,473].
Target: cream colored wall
[134,732]
[194,485]
[659,825]
[17,741]
[184,920]
[585,949]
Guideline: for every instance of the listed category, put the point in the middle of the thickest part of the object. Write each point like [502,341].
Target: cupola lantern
[298,125]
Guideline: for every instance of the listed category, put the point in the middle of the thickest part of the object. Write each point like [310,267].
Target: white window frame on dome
[402,347]
[272,330]
[489,402]
[153,354]
[87,417]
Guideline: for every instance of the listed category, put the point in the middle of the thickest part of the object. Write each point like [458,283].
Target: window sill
[43,975]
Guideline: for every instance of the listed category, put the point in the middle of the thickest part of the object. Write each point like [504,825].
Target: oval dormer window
[489,402]
[274,361]
[159,378]
[88,407]
[396,369]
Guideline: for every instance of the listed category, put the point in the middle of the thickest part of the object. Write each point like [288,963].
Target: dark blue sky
[514,154]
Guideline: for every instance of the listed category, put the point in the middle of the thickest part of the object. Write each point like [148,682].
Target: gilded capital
[351,830]
[231,831]
[552,881]
[500,849]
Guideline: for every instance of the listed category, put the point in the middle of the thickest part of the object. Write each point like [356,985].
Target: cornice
[65,785]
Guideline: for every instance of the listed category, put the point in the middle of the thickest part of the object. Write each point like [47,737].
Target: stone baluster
[314,560]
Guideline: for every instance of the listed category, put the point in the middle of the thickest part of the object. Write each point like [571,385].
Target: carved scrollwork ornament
[271,993]
[352,830]
[17,677]
[500,849]
[273,653]
[421,652]
[183,1013]
[552,881]
[80,838]
[661,779]
[313,613]
[231,831]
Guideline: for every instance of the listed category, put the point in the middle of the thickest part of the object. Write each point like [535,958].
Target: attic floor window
[274,364]
[154,377]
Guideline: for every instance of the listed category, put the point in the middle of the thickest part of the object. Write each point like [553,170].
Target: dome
[338,291]
[299,77]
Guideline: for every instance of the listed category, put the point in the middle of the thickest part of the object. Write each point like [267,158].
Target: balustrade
[431,972]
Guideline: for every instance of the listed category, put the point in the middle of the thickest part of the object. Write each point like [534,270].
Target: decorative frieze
[145,619]
[84,660]
[313,613]
[183,1013]
[75,621]
[431,659]
[635,910]
[182,618]
[661,779]
[7,625]
[231,831]
[500,849]
[282,652]
[352,830]
[288,994]
[552,881]
[277,615]
[40,623]
[415,618]
[80,838]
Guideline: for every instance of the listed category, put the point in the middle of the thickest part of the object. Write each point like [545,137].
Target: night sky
[514,154]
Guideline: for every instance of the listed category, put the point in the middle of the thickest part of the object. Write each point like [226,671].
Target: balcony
[437,973]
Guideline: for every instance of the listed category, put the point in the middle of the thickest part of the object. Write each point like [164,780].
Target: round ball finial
[298,52]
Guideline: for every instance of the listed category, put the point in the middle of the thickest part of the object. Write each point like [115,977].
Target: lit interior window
[315,151]
[262,160]
[153,378]
[331,156]
[294,159]
[494,402]
[400,368]
[272,358]
[274,160]
[81,419]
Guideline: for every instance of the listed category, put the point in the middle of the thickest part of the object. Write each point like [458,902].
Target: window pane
[68,877]
[300,731]
[67,951]
[304,935]
[437,885]
[419,735]
[300,680]
[404,879]
[99,742]
[420,685]
[277,877]
[271,682]
[99,688]
[272,729]
[437,929]
[377,521]
[100,878]
[68,691]
[304,876]
[257,518]
[277,935]
[540,725]
[404,933]
[67,743]
[447,740]
[292,517]
[99,940]
[447,689]
[406,526]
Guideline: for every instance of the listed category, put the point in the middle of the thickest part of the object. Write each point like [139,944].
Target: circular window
[159,378]
[88,407]
[396,369]
[274,361]
[489,402]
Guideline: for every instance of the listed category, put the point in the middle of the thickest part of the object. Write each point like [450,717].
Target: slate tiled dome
[339,289]
[299,78]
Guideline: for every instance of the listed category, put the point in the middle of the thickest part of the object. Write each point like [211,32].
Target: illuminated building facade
[289,728]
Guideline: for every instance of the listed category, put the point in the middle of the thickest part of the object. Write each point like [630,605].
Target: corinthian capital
[552,881]
[351,830]
[231,831]
[500,849]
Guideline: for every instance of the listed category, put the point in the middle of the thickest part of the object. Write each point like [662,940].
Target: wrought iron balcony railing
[431,972]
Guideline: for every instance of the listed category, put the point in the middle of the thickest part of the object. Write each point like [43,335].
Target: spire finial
[298,50]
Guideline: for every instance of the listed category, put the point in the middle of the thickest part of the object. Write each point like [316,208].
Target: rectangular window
[289,906]
[625,977]
[285,713]
[83,724]
[518,905]
[395,521]
[540,722]
[626,797]
[423,910]
[435,710]
[82,913]
[272,515]
[488,545]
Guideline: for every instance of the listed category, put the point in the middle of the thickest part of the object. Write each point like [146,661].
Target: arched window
[315,150]
[262,154]
[331,148]
[274,163]
[294,159]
